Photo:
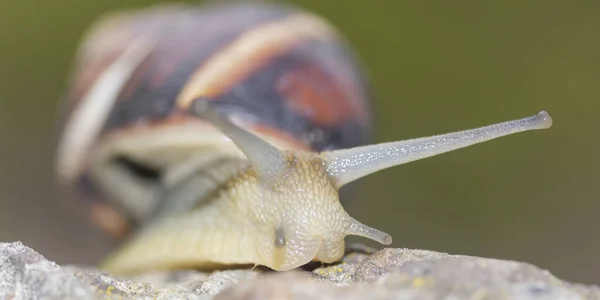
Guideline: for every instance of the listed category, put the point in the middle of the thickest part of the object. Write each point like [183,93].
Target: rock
[384,274]
[25,274]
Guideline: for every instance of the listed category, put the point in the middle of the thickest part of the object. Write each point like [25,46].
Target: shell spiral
[283,73]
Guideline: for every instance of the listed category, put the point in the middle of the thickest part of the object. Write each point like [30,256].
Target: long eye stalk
[266,159]
[348,165]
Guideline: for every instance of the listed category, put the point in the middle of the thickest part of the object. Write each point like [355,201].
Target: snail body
[221,142]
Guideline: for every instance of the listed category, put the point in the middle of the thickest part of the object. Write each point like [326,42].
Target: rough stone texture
[362,274]
[25,274]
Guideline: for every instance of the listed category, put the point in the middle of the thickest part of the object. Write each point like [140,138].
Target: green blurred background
[436,66]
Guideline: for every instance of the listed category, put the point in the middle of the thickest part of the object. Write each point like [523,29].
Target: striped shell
[284,74]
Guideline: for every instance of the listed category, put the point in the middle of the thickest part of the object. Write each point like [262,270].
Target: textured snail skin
[283,226]
[282,212]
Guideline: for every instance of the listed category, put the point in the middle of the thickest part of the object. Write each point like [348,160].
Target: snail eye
[279,237]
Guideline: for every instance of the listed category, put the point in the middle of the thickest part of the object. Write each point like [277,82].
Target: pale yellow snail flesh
[283,211]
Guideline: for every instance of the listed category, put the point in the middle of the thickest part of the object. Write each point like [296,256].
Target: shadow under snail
[221,135]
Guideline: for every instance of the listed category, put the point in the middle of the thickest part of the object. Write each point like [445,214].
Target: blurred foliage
[436,66]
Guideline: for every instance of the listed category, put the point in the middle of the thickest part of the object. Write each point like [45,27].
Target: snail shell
[286,75]
[226,142]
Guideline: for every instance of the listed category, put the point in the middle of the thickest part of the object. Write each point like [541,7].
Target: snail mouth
[294,255]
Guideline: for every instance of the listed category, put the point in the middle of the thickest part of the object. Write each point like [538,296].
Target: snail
[221,135]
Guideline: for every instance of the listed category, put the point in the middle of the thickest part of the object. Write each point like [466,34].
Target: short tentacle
[358,229]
